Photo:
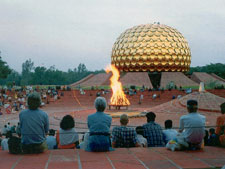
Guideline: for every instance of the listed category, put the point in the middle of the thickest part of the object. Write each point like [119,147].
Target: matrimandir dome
[151,47]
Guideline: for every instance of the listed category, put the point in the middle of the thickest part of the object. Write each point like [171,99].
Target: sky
[65,33]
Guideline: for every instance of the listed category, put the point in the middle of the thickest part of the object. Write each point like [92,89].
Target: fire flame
[118,96]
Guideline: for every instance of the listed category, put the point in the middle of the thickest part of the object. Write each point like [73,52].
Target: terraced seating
[206,101]
[205,77]
[137,79]
[178,78]
[217,77]
[96,80]
[121,158]
[82,80]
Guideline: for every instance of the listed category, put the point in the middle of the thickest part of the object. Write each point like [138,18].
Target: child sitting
[212,137]
[4,142]
[141,140]
[51,140]
[169,133]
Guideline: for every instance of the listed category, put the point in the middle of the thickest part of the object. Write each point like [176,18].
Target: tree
[4,69]
[27,67]
[39,75]
[82,68]
[217,68]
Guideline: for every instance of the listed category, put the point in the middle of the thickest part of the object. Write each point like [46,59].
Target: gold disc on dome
[151,47]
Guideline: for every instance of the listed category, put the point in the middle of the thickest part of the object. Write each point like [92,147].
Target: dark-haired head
[67,122]
[192,106]
[222,107]
[150,116]
[212,131]
[168,124]
[140,130]
[8,134]
[51,132]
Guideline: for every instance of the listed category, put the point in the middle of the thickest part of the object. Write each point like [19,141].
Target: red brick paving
[120,158]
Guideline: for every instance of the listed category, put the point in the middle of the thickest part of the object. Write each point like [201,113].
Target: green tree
[27,68]
[4,69]
[217,68]
[39,77]
[81,68]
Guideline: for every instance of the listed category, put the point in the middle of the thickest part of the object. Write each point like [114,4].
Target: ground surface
[133,158]
[80,106]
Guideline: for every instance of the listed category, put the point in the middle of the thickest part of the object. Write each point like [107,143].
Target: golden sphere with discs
[151,47]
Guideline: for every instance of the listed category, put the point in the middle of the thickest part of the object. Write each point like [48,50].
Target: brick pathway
[133,158]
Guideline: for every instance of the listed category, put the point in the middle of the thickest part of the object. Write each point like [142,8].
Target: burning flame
[118,96]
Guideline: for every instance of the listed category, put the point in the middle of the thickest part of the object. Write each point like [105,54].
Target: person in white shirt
[141,140]
[169,133]
[4,130]
[4,143]
[8,126]
[192,125]
[84,143]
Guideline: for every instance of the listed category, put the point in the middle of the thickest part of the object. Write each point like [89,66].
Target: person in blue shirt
[34,125]
[153,131]
[51,140]
[99,125]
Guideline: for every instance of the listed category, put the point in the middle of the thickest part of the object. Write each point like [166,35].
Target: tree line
[41,75]
[217,68]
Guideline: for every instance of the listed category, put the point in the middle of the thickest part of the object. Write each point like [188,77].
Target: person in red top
[220,126]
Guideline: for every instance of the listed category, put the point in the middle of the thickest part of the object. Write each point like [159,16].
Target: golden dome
[151,47]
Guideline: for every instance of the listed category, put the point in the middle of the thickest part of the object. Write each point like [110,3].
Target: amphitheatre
[149,57]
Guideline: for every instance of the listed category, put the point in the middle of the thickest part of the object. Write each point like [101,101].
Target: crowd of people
[29,136]
[15,100]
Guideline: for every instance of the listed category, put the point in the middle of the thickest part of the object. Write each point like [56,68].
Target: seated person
[34,125]
[220,126]
[99,125]
[192,126]
[84,143]
[4,130]
[123,136]
[66,136]
[169,133]
[153,131]
[4,142]
[212,137]
[51,140]
[154,96]
[141,140]
[206,138]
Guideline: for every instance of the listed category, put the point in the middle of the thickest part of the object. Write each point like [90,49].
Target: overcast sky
[65,33]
